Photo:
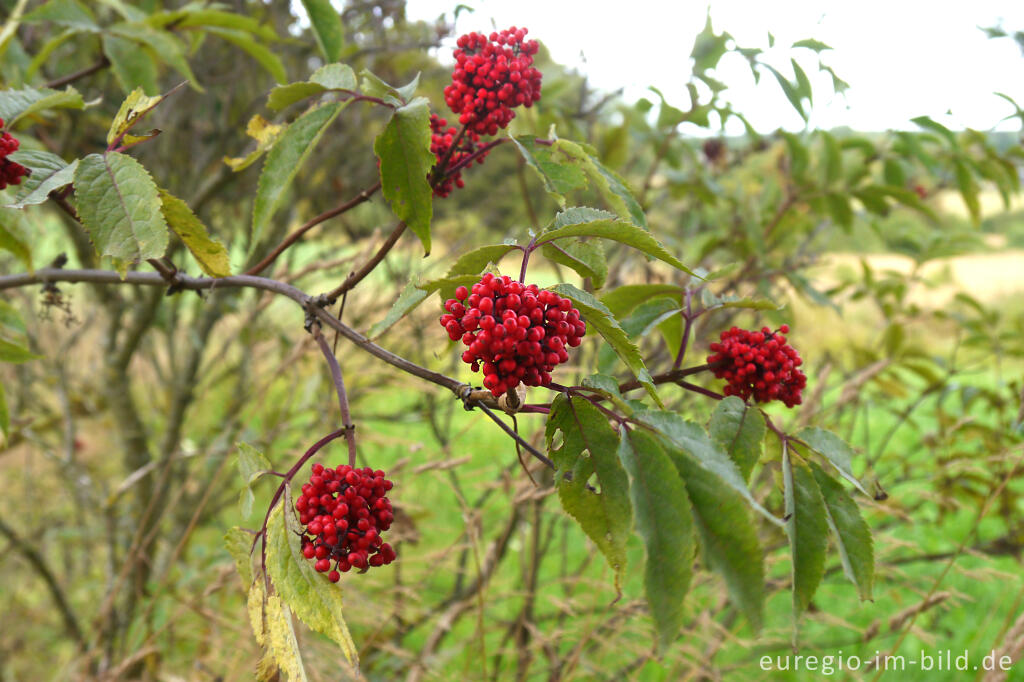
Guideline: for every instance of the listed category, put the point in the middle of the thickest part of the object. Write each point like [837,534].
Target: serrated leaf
[618,231]
[587,259]
[266,135]
[49,172]
[405,162]
[607,182]
[315,600]
[267,59]
[208,252]
[284,160]
[256,601]
[665,522]
[558,175]
[281,640]
[252,464]
[71,13]
[727,534]
[14,235]
[806,527]
[239,546]
[13,338]
[833,448]
[132,66]
[326,22]
[622,300]
[373,86]
[120,207]
[410,297]
[739,429]
[473,262]
[588,449]
[693,440]
[327,77]
[135,106]
[598,317]
[17,104]
[853,537]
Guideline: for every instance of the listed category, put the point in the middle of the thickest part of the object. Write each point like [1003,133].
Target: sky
[901,58]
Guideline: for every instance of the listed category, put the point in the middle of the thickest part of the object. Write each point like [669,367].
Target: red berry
[11,172]
[758,364]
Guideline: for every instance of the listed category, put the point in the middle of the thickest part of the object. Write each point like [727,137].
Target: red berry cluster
[759,364]
[516,333]
[11,172]
[492,75]
[344,511]
[440,142]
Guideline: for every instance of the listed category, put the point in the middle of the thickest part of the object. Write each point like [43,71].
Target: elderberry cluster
[759,364]
[344,511]
[440,142]
[11,172]
[516,333]
[492,75]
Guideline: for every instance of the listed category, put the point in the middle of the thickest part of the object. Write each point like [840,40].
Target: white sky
[902,58]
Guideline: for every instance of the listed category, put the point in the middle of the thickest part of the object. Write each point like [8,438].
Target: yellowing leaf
[135,106]
[208,252]
[255,603]
[265,133]
[315,600]
[282,639]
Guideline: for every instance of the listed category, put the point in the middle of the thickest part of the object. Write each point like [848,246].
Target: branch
[339,385]
[297,234]
[100,64]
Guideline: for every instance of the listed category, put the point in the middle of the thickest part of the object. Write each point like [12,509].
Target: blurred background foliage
[895,255]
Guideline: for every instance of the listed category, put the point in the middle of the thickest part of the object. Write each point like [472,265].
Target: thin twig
[339,385]
[100,64]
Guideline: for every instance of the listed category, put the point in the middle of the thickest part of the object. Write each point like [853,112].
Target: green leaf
[373,86]
[619,231]
[791,91]
[587,259]
[588,449]
[284,160]
[405,161]
[10,26]
[727,534]
[812,44]
[621,300]
[665,521]
[853,537]
[739,429]
[42,55]
[208,252]
[558,175]
[712,301]
[833,157]
[127,11]
[120,208]
[968,189]
[134,107]
[807,528]
[267,59]
[327,77]
[474,262]
[693,440]
[326,21]
[164,44]
[49,172]
[17,104]
[708,47]
[598,317]
[410,297]
[607,182]
[70,13]
[798,156]
[833,448]
[132,66]
[14,235]
[839,209]
[217,18]
[13,337]
[930,124]
[266,135]
[239,545]
[315,600]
